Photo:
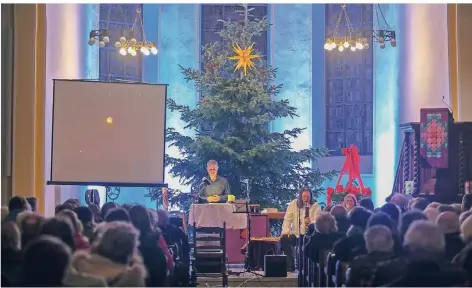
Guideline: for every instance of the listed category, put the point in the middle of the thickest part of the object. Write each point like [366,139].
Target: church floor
[238,278]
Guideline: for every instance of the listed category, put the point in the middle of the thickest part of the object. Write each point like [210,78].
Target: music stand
[240,208]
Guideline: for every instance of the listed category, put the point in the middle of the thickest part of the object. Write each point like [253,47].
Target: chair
[209,259]
[321,268]
[341,269]
[330,269]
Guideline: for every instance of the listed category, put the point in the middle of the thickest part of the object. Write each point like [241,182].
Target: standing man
[214,188]
[300,213]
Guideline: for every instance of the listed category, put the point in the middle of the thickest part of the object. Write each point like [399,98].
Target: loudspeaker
[275,266]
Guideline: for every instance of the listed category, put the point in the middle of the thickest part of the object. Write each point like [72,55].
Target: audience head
[378,238]
[420,204]
[127,206]
[97,213]
[448,222]
[30,228]
[400,200]
[84,214]
[408,218]
[359,216]
[163,218]
[466,230]
[33,202]
[466,202]
[350,201]
[72,203]
[392,210]
[381,218]
[17,203]
[457,208]
[117,241]
[61,228]
[72,217]
[425,239]
[45,262]
[10,236]
[4,212]
[22,216]
[140,218]
[464,216]
[107,207]
[434,204]
[367,203]
[338,211]
[325,223]
[117,214]
[444,207]
[432,213]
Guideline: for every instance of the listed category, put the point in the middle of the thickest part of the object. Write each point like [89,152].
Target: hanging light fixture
[100,35]
[383,33]
[128,44]
[345,42]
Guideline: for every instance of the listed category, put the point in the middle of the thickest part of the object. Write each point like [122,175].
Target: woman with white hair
[464,258]
[112,262]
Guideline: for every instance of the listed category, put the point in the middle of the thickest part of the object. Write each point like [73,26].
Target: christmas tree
[231,124]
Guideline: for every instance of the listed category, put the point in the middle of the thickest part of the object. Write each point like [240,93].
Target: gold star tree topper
[244,58]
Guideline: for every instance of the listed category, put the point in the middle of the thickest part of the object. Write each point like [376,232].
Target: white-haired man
[214,188]
[448,223]
[426,265]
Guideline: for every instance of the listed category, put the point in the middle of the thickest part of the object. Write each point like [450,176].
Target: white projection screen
[108,133]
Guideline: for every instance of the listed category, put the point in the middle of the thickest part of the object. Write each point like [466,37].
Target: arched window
[349,84]
[113,65]
[210,25]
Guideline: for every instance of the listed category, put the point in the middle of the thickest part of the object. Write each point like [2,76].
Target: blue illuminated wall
[388,83]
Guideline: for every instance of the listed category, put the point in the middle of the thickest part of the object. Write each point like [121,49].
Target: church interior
[388,81]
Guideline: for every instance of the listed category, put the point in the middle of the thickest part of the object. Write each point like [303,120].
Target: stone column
[29,101]
[68,57]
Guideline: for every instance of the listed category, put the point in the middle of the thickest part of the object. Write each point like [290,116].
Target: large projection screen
[108,133]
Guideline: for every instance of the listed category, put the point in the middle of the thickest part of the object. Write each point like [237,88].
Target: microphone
[206,181]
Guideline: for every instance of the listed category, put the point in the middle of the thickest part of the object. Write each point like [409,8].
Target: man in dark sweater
[214,189]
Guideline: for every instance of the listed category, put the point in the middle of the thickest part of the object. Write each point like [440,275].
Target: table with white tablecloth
[214,215]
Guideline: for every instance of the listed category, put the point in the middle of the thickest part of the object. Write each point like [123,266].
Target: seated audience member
[367,203]
[466,204]
[464,258]
[353,244]
[85,216]
[448,223]
[4,212]
[30,227]
[22,216]
[464,216]
[107,207]
[350,201]
[325,235]
[97,213]
[45,262]
[127,206]
[340,215]
[434,204]
[420,203]
[457,208]
[11,255]
[407,219]
[16,205]
[443,208]
[425,247]
[392,210]
[33,202]
[432,213]
[152,246]
[117,214]
[171,233]
[381,218]
[379,246]
[60,228]
[401,201]
[113,260]
[72,203]
[80,241]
